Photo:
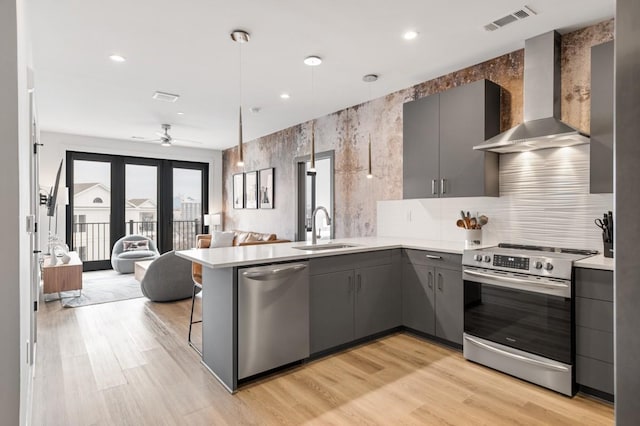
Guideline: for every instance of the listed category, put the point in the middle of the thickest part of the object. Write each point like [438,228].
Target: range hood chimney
[542,127]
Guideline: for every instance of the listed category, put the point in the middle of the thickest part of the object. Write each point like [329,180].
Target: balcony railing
[92,239]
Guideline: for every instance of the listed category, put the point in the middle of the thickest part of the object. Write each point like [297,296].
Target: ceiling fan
[167,140]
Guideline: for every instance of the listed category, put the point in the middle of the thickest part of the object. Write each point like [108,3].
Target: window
[97,200]
[80,220]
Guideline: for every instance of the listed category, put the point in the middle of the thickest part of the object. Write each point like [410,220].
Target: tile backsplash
[544,199]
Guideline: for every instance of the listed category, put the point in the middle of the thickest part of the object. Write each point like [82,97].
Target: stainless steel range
[519,312]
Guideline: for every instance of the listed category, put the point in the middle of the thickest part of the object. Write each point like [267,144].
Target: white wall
[15,374]
[544,199]
[57,144]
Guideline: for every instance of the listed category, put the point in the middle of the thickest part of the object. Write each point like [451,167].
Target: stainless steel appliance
[542,127]
[519,312]
[273,317]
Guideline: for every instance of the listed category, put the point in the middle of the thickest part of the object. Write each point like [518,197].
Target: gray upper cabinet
[602,90]
[421,141]
[439,134]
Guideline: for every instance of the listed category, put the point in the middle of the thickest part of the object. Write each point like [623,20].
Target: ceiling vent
[165,97]
[518,15]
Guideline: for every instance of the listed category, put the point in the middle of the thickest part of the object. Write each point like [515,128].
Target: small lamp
[216,220]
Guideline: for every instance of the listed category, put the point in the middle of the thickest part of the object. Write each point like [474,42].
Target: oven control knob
[548,266]
[487,258]
[477,257]
[538,265]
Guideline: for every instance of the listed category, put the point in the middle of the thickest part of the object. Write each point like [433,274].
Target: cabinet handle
[443,189]
[359,282]
[350,287]
[430,280]
[434,191]
[439,281]
[432,256]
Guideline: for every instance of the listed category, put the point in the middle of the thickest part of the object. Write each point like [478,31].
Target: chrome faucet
[314,239]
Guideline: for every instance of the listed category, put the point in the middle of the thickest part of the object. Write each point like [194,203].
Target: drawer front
[433,258]
[595,314]
[594,373]
[594,284]
[594,344]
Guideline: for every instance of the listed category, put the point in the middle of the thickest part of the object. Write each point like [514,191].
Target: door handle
[440,281]
[430,280]
[350,287]
[443,189]
[273,273]
[516,356]
[434,190]
[359,282]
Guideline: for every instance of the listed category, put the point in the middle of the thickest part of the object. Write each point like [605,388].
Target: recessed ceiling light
[410,35]
[370,78]
[285,96]
[312,61]
[117,58]
[255,110]
[180,113]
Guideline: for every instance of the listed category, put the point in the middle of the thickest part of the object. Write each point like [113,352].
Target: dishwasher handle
[275,273]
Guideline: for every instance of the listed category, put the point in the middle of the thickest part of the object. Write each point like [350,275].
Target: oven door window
[533,322]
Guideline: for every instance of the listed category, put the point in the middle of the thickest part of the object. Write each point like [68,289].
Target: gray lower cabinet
[439,133]
[352,297]
[449,305]
[331,309]
[601,146]
[594,329]
[432,294]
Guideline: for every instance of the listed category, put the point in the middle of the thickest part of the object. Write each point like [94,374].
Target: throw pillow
[135,245]
[221,239]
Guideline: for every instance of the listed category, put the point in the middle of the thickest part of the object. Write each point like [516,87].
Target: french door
[112,196]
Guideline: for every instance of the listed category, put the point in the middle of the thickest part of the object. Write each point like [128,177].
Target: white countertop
[596,262]
[226,257]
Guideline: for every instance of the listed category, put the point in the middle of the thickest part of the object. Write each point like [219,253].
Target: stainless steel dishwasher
[273,317]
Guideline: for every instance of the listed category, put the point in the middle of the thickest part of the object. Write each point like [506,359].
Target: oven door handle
[516,356]
[514,280]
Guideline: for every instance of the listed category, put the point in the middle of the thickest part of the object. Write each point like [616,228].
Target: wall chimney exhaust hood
[541,128]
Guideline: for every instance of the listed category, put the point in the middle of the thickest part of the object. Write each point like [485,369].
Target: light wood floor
[128,363]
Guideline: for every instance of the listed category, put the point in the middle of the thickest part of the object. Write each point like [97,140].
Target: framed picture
[251,190]
[265,196]
[238,191]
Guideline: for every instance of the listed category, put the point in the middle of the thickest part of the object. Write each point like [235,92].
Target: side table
[62,276]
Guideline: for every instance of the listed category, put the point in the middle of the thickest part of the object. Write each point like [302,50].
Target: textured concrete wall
[347,131]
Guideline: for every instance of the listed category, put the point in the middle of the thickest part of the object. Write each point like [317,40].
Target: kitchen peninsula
[353,292]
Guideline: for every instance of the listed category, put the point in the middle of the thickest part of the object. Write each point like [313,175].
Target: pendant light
[240,37]
[313,61]
[369,78]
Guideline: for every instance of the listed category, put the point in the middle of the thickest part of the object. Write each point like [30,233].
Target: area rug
[100,287]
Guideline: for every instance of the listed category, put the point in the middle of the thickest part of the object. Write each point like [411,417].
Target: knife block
[608,250]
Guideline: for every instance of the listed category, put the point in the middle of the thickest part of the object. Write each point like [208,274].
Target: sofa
[240,238]
[128,250]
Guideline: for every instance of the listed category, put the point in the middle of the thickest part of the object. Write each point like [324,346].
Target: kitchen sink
[318,247]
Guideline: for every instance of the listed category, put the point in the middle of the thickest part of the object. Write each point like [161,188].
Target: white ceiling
[184,47]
